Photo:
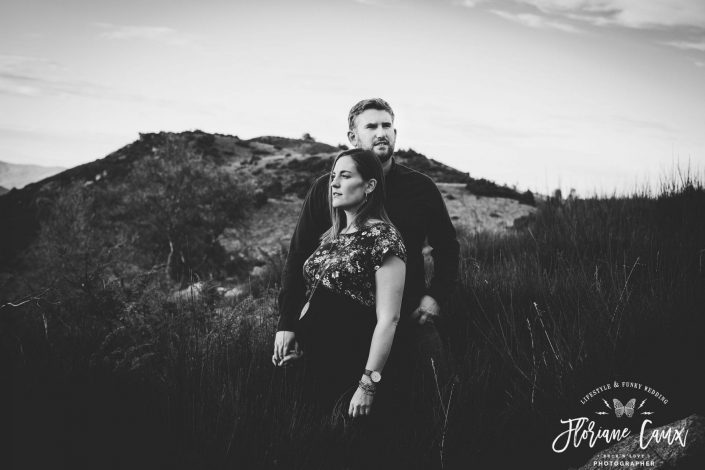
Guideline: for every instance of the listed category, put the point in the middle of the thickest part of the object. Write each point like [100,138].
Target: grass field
[592,290]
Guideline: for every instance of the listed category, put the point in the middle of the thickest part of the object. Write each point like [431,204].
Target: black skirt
[335,335]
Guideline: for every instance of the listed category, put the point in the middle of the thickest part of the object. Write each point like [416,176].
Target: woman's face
[346,184]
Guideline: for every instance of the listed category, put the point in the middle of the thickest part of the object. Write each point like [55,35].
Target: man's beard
[384,157]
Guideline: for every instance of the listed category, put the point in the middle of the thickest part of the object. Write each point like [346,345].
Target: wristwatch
[374,376]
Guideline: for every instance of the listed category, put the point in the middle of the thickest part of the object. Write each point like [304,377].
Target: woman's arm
[389,280]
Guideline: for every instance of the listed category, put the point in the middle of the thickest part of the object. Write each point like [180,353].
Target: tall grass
[593,290]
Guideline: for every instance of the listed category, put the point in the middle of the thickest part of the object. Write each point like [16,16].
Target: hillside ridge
[279,168]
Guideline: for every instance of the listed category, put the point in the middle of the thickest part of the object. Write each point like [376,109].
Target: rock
[220,290]
[192,292]
[234,293]
[259,271]
[230,241]
[663,455]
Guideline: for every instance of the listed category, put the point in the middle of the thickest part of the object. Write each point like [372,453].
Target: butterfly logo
[627,409]
[621,410]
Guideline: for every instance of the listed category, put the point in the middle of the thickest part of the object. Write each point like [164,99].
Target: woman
[355,281]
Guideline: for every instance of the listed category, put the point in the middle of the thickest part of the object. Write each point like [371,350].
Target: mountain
[15,175]
[280,169]
[3,190]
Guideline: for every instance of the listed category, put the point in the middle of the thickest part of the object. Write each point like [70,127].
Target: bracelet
[369,389]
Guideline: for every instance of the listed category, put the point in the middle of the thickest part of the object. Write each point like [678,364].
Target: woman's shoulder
[372,222]
[378,225]
[384,240]
[380,228]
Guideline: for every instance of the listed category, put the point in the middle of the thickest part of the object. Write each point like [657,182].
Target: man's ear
[352,137]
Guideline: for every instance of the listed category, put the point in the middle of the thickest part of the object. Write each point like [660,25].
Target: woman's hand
[285,348]
[361,403]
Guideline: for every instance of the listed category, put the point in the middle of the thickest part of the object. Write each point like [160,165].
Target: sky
[602,96]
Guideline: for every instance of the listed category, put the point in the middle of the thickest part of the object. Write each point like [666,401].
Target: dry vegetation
[108,369]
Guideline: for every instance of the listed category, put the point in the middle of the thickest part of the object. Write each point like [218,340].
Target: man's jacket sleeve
[446,250]
[313,221]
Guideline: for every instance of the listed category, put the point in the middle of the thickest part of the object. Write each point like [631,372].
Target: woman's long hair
[369,167]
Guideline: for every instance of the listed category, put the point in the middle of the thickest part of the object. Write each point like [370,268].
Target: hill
[279,169]
[15,175]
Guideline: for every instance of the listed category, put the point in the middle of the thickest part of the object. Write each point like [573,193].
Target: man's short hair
[364,105]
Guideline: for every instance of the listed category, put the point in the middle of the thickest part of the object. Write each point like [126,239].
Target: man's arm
[313,221]
[446,250]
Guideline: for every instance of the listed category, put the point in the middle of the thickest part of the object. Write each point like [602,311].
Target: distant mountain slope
[3,190]
[438,171]
[281,169]
[16,175]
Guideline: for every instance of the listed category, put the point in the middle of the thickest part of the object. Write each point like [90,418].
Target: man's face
[374,130]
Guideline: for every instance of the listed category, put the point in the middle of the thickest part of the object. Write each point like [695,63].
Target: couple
[354,280]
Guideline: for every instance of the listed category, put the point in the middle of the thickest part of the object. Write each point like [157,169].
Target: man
[416,208]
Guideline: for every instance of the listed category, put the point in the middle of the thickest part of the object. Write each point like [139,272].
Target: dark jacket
[415,206]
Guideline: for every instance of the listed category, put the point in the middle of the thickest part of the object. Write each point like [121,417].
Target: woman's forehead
[345,164]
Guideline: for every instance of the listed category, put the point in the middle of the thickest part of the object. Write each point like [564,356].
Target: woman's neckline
[368,225]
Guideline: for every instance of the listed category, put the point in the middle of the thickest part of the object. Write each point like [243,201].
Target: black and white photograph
[352,234]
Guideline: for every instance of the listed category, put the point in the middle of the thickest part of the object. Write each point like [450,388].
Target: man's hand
[427,311]
[285,348]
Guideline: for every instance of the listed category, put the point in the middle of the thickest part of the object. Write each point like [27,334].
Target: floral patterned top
[348,264]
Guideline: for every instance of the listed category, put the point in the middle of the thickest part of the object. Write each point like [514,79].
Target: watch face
[375,376]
